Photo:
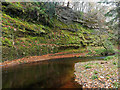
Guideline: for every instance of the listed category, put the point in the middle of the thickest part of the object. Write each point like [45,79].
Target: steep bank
[23,35]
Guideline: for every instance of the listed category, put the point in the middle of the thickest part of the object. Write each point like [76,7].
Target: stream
[56,73]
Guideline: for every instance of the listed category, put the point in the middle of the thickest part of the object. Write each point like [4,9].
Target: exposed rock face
[65,14]
[68,16]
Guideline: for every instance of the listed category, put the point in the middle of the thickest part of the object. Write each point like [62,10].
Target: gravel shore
[97,74]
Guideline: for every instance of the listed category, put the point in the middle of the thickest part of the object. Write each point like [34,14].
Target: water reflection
[47,74]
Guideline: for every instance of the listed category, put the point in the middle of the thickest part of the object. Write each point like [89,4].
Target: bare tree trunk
[118,11]
[68,4]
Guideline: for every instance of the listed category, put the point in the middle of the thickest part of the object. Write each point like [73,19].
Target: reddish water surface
[55,73]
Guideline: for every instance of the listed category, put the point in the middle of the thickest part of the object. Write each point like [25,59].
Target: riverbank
[88,74]
[88,52]
[98,74]
[31,59]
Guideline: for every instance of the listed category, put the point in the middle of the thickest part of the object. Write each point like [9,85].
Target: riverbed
[54,73]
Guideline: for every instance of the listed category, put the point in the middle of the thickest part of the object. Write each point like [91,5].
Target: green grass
[89,53]
[95,72]
[87,66]
[94,77]
[115,84]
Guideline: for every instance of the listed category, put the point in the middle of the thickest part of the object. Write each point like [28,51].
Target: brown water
[57,73]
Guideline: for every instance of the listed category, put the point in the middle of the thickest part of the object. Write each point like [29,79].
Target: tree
[112,16]
[96,12]
[118,12]
[68,4]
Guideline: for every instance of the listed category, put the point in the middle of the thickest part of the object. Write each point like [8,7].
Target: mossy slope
[25,38]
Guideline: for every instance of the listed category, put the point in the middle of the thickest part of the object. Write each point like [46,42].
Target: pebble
[101,77]
[103,73]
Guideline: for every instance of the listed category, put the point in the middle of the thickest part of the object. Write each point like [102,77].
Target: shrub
[105,52]
[89,52]
[114,63]
[99,51]
[108,57]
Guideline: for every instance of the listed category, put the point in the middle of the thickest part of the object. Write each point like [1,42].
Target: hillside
[29,30]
